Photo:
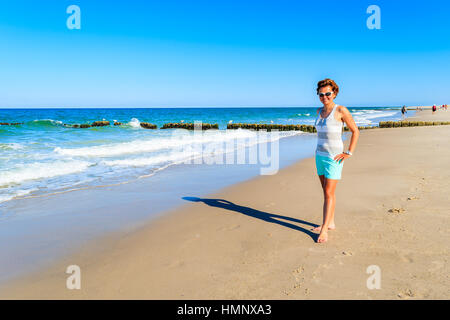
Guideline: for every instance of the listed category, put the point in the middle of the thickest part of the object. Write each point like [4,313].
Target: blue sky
[222,53]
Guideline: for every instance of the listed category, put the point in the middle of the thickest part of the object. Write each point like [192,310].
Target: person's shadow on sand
[268,217]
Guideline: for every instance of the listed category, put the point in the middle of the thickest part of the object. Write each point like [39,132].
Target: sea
[44,156]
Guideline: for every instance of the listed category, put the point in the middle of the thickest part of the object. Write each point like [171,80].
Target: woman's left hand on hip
[341,156]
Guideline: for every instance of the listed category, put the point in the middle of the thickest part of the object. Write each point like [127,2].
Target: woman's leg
[332,225]
[331,188]
[328,208]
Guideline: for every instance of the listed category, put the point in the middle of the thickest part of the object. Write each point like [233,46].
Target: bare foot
[323,237]
[330,227]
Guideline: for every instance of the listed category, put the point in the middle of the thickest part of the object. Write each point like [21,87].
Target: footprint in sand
[298,280]
[405,294]
[298,270]
[396,210]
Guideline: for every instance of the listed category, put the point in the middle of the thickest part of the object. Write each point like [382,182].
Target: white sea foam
[135,123]
[157,144]
[56,122]
[219,147]
[12,195]
[39,170]
[366,116]
[139,162]
[11,146]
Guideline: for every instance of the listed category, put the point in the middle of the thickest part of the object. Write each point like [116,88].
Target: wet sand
[253,240]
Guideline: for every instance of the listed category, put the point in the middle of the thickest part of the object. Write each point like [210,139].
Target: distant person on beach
[329,152]
[403,111]
[434,108]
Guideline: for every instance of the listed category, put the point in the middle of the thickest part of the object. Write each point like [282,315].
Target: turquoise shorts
[329,167]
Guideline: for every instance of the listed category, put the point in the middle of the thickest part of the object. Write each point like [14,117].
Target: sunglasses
[325,94]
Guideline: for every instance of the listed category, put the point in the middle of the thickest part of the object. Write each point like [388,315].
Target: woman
[329,152]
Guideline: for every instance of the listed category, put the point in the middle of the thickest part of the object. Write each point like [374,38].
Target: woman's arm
[348,119]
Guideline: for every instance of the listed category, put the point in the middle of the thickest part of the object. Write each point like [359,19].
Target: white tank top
[329,134]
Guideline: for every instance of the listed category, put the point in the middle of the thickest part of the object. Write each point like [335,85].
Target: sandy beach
[253,240]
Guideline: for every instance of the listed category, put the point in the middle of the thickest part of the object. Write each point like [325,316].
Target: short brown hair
[328,82]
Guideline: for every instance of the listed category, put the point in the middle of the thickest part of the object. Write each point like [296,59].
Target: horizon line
[199,107]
